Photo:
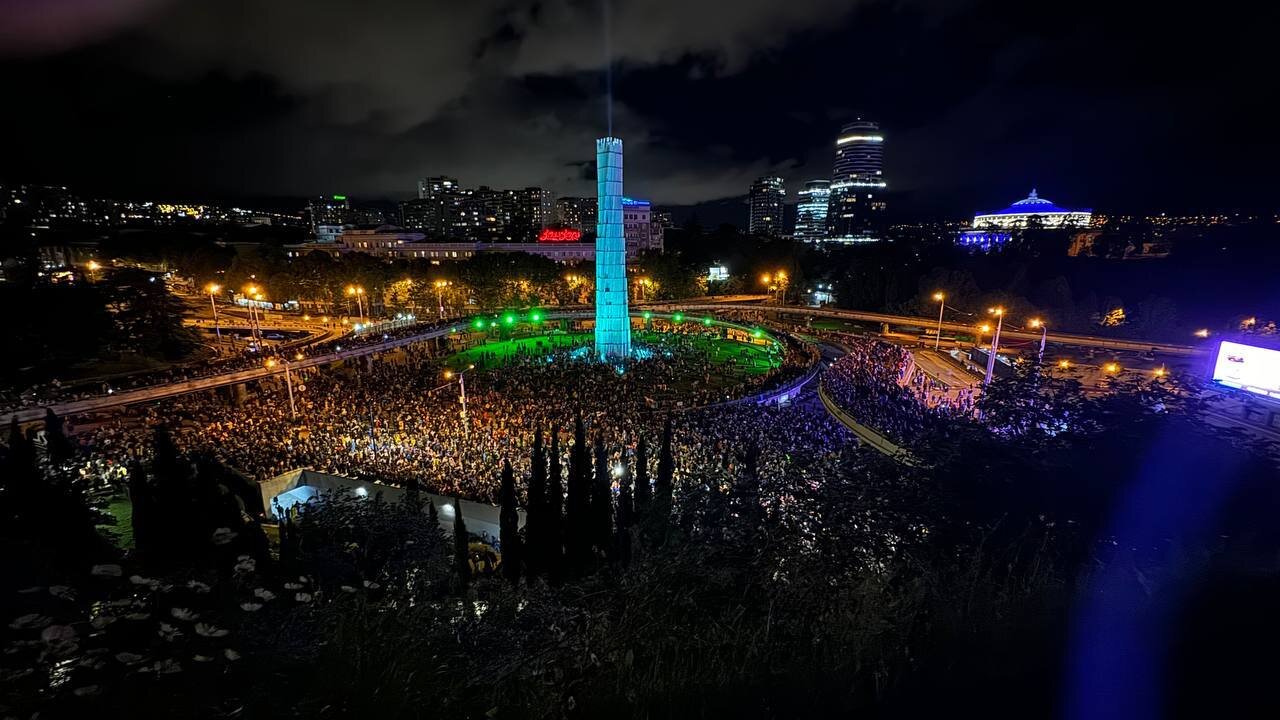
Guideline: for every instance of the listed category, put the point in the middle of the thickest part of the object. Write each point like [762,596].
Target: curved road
[159,392]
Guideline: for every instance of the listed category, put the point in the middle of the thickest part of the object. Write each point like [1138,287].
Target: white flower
[27,622]
[231,655]
[137,616]
[264,594]
[202,658]
[102,621]
[302,597]
[62,591]
[293,586]
[250,607]
[139,580]
[197,586]
[223,535]
[128,658]
[184,614]
[346,588]
[246,565]
[209,630]
[371,585]
[58,633]
[168,632]
[167,666]
[107,570]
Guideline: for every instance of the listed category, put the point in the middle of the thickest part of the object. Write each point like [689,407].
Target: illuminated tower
[613,323]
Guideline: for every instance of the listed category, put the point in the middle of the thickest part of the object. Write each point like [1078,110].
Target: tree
[643,492]
[535,523]
[660,512]
[509,525]
[461,546]
[59,447]
[577,509]
[601,501]
[553,531]
[625,517]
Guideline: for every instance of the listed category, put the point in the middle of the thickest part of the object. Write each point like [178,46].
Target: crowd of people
[873,382]
[399,418]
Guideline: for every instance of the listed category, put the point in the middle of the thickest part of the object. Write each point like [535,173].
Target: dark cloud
[978,98]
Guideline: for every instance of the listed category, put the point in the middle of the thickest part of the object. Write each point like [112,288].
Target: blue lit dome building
[992,229]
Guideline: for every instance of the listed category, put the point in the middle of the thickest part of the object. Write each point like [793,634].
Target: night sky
[1096,104]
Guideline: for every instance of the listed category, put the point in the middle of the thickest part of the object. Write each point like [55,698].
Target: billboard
[1248,367]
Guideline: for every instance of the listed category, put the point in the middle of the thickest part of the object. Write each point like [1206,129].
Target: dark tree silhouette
[553,558]
[601,501]
[624,518]
[461,546]
[577,509]
[643,492]
[535,524]
[59,446]
[659,520]
[509,525]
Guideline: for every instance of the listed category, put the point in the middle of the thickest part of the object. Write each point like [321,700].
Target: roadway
[932,323]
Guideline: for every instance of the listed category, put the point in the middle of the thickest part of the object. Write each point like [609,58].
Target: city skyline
[1023,112]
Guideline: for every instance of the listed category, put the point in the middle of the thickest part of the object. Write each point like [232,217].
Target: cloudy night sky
[1094,103]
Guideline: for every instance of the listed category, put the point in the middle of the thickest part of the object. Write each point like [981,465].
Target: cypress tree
[577,509]
[535,524]
[59,447]
[461,546]
[643,493]
[662,489]
[602,501]
[625,516]
[433,517]
[413,495]
[509,525]
[554,528]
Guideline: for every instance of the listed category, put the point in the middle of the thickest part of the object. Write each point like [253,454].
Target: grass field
[750,359]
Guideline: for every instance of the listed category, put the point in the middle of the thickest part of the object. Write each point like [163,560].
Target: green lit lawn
[751,359]
[122,532]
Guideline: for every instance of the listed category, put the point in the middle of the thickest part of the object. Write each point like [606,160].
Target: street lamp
[288,382]
[357,292]
[1044,335]
[212,289]
[462,395]
[440,285]
[995,344]
[941,299]
[251,294]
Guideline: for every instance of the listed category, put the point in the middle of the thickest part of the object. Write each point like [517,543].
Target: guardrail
[865,433]
[930,323]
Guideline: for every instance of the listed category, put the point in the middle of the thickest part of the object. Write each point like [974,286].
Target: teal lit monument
[613,323]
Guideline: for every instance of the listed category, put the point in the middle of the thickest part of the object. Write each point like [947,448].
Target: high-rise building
[857,183]
[766,201]
[811,213]
[531,212]
[332,210]
[578,213]
[430,187]
[613,322]
[641,231]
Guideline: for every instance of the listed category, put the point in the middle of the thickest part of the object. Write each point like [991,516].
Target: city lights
[677,317]
[1202,333]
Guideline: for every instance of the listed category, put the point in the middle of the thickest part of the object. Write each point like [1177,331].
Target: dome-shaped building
[1033,211]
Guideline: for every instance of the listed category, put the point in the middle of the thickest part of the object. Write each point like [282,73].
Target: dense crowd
[873,384]
[399,418]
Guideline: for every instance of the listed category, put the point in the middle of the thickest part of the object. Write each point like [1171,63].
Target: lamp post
[440,286]
[251,294]
[942,305]
[212,289]
[995,344]
[288,383]
[358,292]
[462,396]
[781,278]
[1044,335]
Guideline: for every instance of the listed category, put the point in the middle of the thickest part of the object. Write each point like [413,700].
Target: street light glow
[1112,368]
[211,288]
[1035,322]
[939,297]
[1064,364]
[1202,333]
[678,317]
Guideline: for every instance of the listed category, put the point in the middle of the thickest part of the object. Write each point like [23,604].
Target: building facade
[811,213]
[641,230]
[331,210]
[766,202]
[578,213]
[856,203]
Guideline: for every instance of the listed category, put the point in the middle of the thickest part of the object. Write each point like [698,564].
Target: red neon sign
[559,235]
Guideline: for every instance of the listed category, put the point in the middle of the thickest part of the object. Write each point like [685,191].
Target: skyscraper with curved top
[613,322]
[857,182]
